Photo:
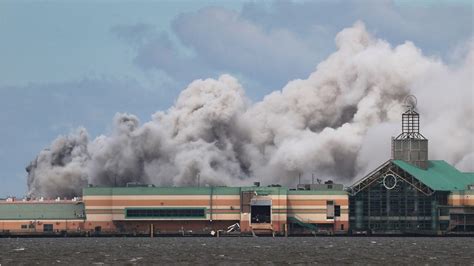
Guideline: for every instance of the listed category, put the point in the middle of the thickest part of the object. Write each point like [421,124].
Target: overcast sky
[66,64]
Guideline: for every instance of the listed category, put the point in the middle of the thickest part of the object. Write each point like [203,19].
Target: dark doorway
[261,214]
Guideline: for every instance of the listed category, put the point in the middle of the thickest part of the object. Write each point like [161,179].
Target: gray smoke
[320,125]
[60,170]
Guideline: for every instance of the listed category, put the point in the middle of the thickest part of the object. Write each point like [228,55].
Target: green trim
[108,209]
[295,220]
[217,213]
[107,191]
[462,192]
[263,191]
[317,192]
[104,191]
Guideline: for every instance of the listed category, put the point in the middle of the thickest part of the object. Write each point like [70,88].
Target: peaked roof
[439,175]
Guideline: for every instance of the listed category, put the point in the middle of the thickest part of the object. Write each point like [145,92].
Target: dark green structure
[411,194]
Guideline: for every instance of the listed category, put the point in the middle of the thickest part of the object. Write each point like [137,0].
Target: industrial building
[408,194]
[41,217]
[411,194]
[149,210]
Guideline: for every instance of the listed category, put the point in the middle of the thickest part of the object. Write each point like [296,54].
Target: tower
[411,146]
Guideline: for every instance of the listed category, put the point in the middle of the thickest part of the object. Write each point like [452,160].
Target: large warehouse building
[315,208]
[38,217]
[203,209]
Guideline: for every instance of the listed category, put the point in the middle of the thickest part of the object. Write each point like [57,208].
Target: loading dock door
[261,211]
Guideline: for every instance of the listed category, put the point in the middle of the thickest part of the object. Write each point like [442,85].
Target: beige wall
[58,225]
[105,210]
[461,199]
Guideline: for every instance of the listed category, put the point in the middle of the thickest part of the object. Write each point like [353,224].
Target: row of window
[27,226]
[165,213]
[46,227]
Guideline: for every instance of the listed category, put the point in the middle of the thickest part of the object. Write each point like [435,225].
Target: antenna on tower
[410,145]
[410,102]
[410,120]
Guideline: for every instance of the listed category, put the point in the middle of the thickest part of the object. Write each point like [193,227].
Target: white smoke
[325,125]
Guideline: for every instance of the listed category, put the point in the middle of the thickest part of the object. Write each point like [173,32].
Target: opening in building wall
[261,214]
[260,210]
[337,211]
[166,212]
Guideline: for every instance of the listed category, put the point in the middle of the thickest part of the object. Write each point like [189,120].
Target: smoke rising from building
[317,125]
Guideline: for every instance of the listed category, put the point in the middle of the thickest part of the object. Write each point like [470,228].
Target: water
[238,251]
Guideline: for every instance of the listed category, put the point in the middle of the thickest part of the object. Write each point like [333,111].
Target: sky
[70,64]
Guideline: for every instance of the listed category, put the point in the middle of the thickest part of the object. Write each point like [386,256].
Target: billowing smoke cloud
[320,125]
[62,169]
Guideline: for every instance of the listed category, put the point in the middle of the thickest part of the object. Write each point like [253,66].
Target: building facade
[41,217]
[198,210]
[412,194]
[183,210]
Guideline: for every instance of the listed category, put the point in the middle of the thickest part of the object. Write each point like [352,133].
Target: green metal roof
[317,192]
[102,191]
[439,175]
[98,191]
[41,211]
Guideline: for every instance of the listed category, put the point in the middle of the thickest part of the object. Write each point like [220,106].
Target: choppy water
[225,251]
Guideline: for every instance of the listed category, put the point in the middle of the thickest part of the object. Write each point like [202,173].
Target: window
[163,213]
[443,212]
[24,226]
[337,211]
[48,227]
[330,209]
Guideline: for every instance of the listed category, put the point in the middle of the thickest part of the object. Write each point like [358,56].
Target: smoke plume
[319,125]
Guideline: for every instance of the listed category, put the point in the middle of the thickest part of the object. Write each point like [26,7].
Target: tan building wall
[313,209]
[461,198]
[24,226]
[109,211]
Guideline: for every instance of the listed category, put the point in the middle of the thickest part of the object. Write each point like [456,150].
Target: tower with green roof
[411,194]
